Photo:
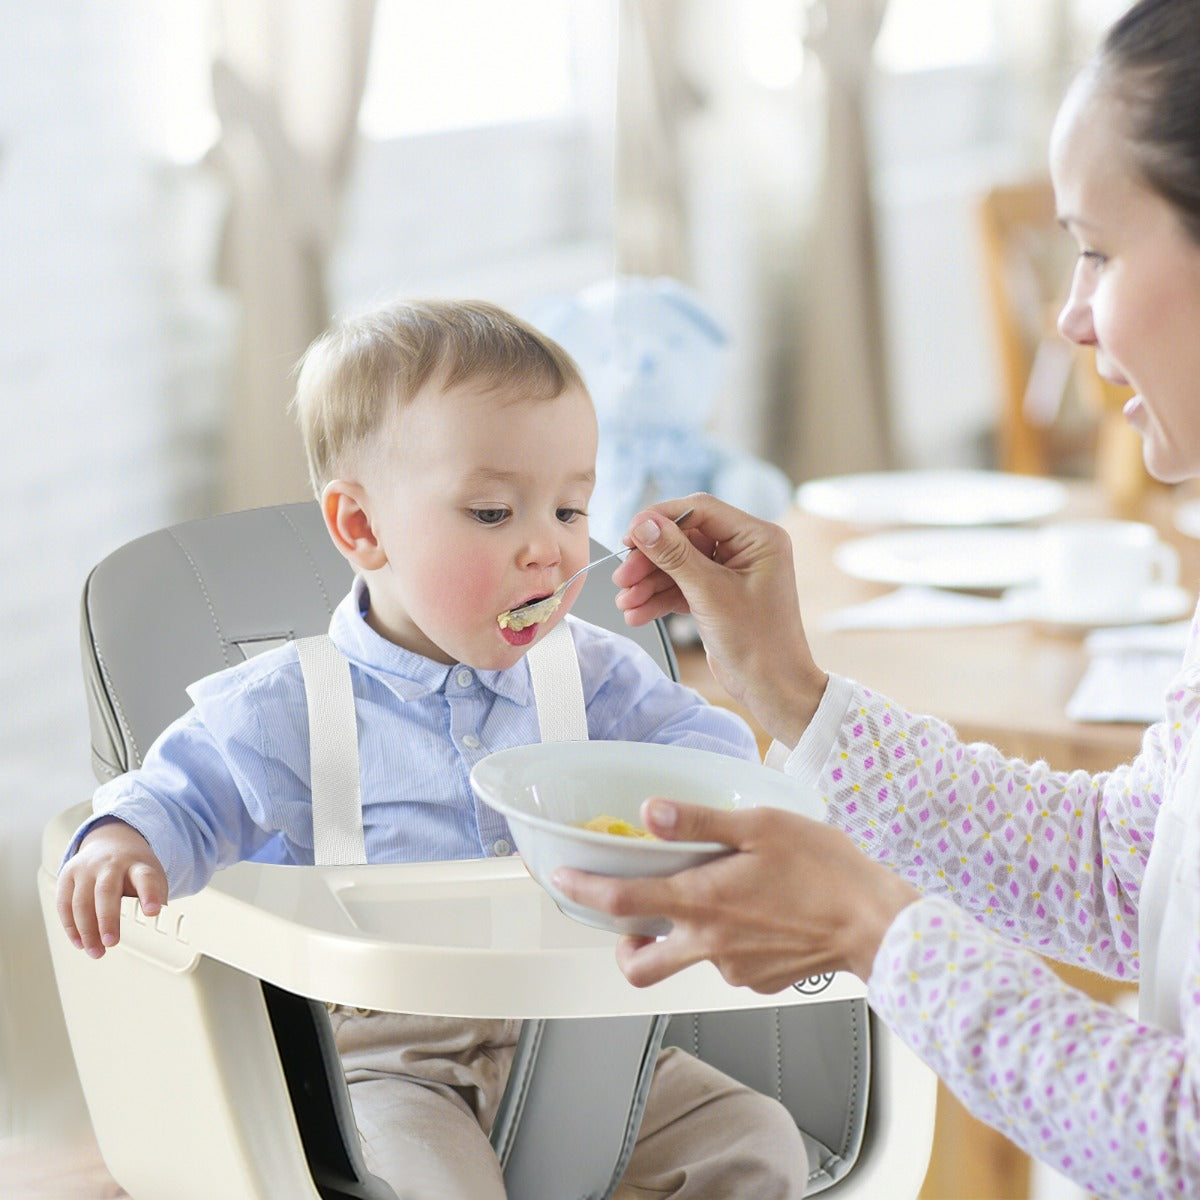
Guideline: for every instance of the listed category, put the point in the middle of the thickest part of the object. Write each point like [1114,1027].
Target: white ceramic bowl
[547,790]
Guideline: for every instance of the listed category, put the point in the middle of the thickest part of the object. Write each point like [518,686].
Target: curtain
[654,99]
[842,422]
[288,77]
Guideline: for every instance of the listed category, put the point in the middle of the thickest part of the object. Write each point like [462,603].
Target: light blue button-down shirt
[229,780]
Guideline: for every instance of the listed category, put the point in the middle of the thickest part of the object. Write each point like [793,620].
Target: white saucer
[1163,602]
[955,497]
[1187,518]
[983,559]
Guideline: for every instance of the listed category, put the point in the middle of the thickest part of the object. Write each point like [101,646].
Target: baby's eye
[489,516]
[1093,258]
[568,515]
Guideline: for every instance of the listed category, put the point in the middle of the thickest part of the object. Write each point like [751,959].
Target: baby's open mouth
[531,612]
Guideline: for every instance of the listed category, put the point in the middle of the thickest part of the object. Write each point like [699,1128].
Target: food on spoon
[607,824]
[525,615]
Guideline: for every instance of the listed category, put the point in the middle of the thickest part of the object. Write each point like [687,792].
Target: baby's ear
[344,507]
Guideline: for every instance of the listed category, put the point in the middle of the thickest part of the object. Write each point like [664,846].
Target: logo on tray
[814,984]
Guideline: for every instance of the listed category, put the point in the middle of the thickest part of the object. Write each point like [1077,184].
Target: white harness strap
[333,732]
[557,687]
[333,743]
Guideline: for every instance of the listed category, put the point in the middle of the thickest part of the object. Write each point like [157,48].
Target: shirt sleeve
[1051,858]
[1053,862]
[1109,1102]
[185,800]
[628,698]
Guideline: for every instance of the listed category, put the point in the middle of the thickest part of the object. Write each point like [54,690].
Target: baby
[453,450]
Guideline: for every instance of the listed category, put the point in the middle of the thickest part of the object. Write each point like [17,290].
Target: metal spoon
[534,612]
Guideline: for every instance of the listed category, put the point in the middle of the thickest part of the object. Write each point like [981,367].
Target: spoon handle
[562,587]
[534,611]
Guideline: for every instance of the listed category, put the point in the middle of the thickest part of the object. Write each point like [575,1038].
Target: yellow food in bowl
[607,824]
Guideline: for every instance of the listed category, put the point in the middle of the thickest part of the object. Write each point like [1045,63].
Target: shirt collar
[410,676]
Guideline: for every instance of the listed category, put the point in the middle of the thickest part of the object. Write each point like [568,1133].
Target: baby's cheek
[466,591]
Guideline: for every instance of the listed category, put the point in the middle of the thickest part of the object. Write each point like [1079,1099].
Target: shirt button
[501,849]
[464,678]
[470,741]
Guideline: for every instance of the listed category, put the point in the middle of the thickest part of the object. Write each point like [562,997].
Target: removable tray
[477,938]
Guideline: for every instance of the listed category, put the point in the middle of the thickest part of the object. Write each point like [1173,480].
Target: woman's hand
[734,574]
[795,899]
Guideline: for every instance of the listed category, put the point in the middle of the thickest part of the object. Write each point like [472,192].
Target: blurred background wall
[188,190]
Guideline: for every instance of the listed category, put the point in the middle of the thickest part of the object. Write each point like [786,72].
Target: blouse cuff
[807,758]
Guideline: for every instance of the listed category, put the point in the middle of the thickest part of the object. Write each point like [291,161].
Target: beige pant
[425,1092]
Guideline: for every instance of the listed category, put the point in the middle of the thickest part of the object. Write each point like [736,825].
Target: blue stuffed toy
[651,356]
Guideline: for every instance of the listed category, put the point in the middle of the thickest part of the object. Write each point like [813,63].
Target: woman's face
[1135,292]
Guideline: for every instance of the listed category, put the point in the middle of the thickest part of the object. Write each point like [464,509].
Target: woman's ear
[344,507]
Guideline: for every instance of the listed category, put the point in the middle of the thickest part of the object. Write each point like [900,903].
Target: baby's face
[480,505]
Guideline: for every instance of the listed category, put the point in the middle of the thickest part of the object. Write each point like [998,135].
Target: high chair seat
[203,1042]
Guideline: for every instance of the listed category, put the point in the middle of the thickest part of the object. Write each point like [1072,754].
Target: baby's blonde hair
[365,368]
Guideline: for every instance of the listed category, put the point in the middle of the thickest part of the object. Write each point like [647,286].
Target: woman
[957,858]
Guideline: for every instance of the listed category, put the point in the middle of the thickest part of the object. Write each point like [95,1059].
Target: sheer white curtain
[742,169]
[288,78]
[842,421]
[708,161]
[654,100]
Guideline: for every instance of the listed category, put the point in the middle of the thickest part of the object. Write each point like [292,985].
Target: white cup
[1097,567]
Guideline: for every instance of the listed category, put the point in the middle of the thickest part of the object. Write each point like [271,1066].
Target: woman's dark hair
[1150,61]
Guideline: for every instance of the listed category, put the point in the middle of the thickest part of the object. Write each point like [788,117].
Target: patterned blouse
[1012,857]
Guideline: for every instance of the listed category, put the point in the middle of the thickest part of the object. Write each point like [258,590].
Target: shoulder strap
[557,687]
[333,742]
[333,732]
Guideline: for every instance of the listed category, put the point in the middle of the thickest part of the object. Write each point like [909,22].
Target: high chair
[202,1040]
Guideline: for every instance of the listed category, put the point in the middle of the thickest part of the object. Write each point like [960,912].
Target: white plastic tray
[477,938]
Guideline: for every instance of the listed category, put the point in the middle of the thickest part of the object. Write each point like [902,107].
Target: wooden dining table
[1006,684]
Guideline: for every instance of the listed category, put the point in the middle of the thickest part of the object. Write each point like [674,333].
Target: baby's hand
[112,861]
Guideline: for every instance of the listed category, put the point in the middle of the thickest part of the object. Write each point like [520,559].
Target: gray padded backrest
[183,602]
[815,1059]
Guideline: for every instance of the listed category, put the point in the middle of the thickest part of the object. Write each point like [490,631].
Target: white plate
[1187,518]
[1163,602]
[932,498]
[981,559]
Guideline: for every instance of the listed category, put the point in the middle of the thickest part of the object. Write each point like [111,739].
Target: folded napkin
[916,607]
[1171,638]
[1128,674]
